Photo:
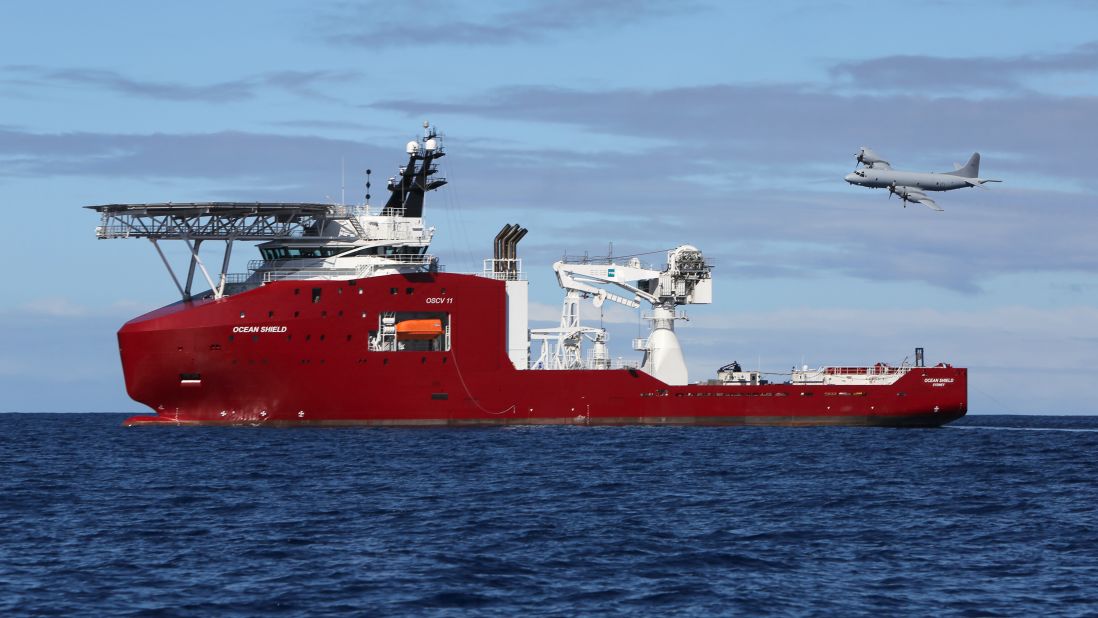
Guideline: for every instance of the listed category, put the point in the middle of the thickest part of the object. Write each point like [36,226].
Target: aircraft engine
[906,194]
[868,157]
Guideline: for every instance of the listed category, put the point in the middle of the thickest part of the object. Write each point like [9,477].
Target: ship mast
[407,189]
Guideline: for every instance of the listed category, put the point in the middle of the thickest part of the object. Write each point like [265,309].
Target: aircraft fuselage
[883,178]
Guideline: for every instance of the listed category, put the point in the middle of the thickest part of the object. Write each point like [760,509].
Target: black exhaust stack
[505,251]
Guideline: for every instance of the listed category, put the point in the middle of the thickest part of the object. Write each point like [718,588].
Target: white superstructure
[304,241]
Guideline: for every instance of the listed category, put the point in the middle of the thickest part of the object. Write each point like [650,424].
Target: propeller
[868,158]
[903,196]
[860,158]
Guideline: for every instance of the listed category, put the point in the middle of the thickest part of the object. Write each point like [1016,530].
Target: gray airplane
[910,186]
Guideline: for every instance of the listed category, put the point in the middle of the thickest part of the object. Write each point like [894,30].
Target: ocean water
[994,515]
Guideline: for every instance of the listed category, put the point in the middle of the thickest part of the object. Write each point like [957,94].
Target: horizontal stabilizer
[979,182]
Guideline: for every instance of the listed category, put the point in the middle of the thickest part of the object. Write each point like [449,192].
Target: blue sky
[647,124]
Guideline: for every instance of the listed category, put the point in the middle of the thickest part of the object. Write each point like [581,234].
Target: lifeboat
[419,330]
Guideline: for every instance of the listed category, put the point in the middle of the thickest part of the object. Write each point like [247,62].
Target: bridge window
[291,253]
[390,250]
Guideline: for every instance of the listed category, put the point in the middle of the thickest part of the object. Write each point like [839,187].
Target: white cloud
[1075,322]
[53,307]
[62,307]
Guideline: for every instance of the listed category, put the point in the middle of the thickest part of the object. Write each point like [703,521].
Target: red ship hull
[297,353]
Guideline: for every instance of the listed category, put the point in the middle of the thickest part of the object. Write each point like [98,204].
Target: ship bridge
[299,240]
[302,240]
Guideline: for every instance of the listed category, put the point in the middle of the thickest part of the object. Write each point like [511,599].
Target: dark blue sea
[994,515]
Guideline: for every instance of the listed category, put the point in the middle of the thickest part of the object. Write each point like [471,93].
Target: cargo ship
[347,319]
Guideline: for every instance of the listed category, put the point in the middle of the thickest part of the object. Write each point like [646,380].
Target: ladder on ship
[358,227]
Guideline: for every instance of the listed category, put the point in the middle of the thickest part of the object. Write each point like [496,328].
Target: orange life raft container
[419,330]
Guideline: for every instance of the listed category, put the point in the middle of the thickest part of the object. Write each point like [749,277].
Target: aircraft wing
[911,194]
[868,158]
[929,203]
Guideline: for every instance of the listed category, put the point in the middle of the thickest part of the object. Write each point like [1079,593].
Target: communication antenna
[342,181]
[367,187]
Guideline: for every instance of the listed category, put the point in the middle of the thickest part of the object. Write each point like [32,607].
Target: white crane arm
[580,277]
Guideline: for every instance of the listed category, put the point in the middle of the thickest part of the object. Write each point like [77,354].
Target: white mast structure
[685,280]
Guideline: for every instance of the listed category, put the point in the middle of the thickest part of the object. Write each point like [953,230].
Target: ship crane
[685,280]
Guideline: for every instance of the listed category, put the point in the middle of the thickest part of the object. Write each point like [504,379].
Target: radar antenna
[414,180]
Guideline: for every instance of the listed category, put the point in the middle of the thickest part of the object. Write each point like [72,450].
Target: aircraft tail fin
[970,169]
[971,172]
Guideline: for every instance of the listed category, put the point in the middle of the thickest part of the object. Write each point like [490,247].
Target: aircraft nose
[851,178]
